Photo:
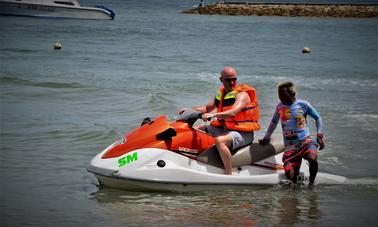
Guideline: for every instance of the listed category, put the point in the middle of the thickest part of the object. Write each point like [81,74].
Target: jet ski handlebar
[190,117]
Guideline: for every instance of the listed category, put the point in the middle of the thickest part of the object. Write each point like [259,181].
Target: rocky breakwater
[287,9]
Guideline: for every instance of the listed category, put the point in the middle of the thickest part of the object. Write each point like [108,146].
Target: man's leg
[223,144]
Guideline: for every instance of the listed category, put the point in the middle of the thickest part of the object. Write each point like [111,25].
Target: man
[236,116]
[293,112]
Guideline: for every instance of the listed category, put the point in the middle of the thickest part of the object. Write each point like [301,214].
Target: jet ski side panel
[247,155]
[256,152]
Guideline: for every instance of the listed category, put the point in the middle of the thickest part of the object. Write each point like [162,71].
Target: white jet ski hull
[152,169]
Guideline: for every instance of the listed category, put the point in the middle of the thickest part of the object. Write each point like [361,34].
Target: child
[293,112]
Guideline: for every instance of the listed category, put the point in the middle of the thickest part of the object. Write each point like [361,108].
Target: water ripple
[46,84]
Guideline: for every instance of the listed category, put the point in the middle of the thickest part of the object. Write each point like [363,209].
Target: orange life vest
[247,119]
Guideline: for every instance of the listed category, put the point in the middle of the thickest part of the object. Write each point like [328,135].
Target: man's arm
[203,109]
[242,99]
[206,108]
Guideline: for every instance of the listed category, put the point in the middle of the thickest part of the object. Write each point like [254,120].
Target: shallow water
[60,108]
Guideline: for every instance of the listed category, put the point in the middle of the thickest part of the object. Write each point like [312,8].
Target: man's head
[228,78]
[286,92]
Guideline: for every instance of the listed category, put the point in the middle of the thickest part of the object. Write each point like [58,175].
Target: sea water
[59,108]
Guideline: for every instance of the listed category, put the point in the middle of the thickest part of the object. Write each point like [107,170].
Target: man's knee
[225,139]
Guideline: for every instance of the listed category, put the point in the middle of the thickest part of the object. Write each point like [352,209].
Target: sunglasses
[228,80]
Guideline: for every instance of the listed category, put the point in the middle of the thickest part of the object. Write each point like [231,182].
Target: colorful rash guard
[294,122]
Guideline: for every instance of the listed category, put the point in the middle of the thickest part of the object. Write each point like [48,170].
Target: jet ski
[178,156]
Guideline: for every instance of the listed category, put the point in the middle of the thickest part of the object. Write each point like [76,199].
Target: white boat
[174,156]
[54,9]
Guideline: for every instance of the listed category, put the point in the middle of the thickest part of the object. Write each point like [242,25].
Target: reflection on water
[257,206]
[296,208]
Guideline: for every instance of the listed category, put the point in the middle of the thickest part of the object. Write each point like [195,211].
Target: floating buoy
[306,50]
[57,46]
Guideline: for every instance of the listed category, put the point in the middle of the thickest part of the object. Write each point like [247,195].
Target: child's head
[286,92]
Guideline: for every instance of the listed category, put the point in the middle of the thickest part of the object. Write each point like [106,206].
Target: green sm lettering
[128,159]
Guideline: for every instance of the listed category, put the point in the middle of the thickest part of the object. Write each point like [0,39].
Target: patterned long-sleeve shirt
[294,122]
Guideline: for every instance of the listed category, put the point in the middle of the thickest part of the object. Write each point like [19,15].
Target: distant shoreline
[287,9]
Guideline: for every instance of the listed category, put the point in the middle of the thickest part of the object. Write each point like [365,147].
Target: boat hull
[47,11]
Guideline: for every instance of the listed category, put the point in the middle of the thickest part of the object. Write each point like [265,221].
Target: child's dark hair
[290,87]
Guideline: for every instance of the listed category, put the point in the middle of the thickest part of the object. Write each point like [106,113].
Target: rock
[287,9]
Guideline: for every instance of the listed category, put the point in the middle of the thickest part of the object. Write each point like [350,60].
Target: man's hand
[264,141]
[207,116]
[182,111]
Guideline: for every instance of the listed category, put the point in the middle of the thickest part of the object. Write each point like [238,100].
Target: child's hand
[264,141]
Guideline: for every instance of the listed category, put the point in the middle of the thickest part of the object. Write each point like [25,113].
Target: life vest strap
[249,108]
[238,121]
